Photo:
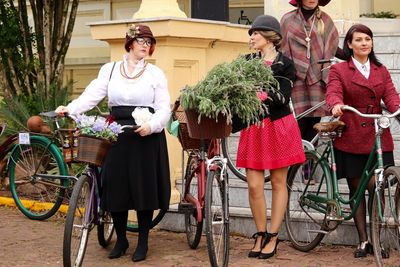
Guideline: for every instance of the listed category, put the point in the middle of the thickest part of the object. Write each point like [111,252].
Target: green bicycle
[320,208]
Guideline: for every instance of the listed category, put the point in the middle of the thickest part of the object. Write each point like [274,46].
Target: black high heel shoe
[118,250]
[255,254]
[266,241]
[363,249]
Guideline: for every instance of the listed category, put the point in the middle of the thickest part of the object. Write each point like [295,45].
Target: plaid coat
[294,46]
[348,86]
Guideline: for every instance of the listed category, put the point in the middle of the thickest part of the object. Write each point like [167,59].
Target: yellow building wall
[387,5]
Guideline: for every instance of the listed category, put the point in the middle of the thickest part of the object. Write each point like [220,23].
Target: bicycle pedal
[184,207]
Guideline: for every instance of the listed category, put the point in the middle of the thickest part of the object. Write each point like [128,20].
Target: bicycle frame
[203,165]
[374,166]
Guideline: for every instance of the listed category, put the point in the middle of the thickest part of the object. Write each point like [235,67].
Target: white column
[159,8]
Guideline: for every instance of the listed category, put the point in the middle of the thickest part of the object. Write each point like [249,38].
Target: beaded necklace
[125,75]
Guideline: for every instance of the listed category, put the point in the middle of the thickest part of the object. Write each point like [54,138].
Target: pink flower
[262,95]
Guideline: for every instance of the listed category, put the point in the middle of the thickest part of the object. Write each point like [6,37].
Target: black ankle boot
[140,253]
[119,249]
[266,241]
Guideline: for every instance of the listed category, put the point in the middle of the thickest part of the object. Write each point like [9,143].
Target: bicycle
[204,195]
[38,172]
[319,208]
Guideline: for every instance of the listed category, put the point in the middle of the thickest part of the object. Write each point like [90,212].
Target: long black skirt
[135,174]
[349,165]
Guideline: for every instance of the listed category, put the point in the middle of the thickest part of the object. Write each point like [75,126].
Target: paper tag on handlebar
[23,139]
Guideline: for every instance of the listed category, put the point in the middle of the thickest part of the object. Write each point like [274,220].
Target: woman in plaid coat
[308,36]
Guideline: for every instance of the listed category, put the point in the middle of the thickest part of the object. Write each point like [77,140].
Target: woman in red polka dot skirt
[273,145]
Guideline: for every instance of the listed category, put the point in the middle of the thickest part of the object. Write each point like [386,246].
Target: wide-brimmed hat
[320,2]
[266,23]
[140,31]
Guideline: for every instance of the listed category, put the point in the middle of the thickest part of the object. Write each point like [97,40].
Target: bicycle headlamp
[384,122]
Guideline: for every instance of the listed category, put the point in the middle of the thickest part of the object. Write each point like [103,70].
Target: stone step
[241,222]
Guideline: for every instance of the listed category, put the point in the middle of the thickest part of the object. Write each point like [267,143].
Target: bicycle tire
[193,227]
[229,150]
[105,229]
[133,226]
[37,197]
[299,213]
[216,218]
[78,223]
[386,233]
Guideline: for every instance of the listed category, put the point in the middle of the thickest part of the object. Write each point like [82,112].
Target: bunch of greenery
[231,89]
[381,14]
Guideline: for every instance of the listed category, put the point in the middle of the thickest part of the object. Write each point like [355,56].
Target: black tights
[120,220]
[360,218]
[144,219]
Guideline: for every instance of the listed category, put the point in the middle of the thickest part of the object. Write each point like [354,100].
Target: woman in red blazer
[361,82]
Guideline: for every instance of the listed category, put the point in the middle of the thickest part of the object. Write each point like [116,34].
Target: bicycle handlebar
[330,60]
[373,116]
[133,127]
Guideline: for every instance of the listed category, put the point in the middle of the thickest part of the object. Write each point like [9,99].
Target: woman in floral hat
[308,36]
[135,174]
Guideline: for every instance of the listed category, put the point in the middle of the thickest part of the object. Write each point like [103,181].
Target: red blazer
[346,85]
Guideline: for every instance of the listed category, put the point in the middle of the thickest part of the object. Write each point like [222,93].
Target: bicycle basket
[183,136]
[208,128]
[92,150]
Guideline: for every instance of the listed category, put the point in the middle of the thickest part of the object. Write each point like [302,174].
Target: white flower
[141,115]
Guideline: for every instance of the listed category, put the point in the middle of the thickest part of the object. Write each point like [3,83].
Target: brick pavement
[24,242]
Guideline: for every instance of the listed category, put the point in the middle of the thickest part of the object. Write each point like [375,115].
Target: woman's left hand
[144,129]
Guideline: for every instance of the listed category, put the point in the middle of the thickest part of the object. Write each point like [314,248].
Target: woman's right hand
[61,110]
[337,110]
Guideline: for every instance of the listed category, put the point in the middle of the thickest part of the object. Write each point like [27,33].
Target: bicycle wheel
[304,180]
[133,224]
[193,227]
[385,222]
[78,224]
[35,187]
[229,150]
[105,229]
[216,216]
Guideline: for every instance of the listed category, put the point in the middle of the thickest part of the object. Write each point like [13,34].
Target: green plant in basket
[231,89]
[98,127]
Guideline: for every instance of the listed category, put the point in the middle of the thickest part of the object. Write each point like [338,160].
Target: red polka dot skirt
[270,145]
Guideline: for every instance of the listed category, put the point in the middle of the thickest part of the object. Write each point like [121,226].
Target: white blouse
[363,68]
[150,89]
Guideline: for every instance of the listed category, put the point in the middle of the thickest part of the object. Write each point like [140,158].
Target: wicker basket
[208,128]
[186,141]
[92,150]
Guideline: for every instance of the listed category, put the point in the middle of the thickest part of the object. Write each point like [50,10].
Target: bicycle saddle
[327,127]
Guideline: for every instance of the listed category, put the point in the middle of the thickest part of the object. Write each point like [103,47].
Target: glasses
[143,41]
